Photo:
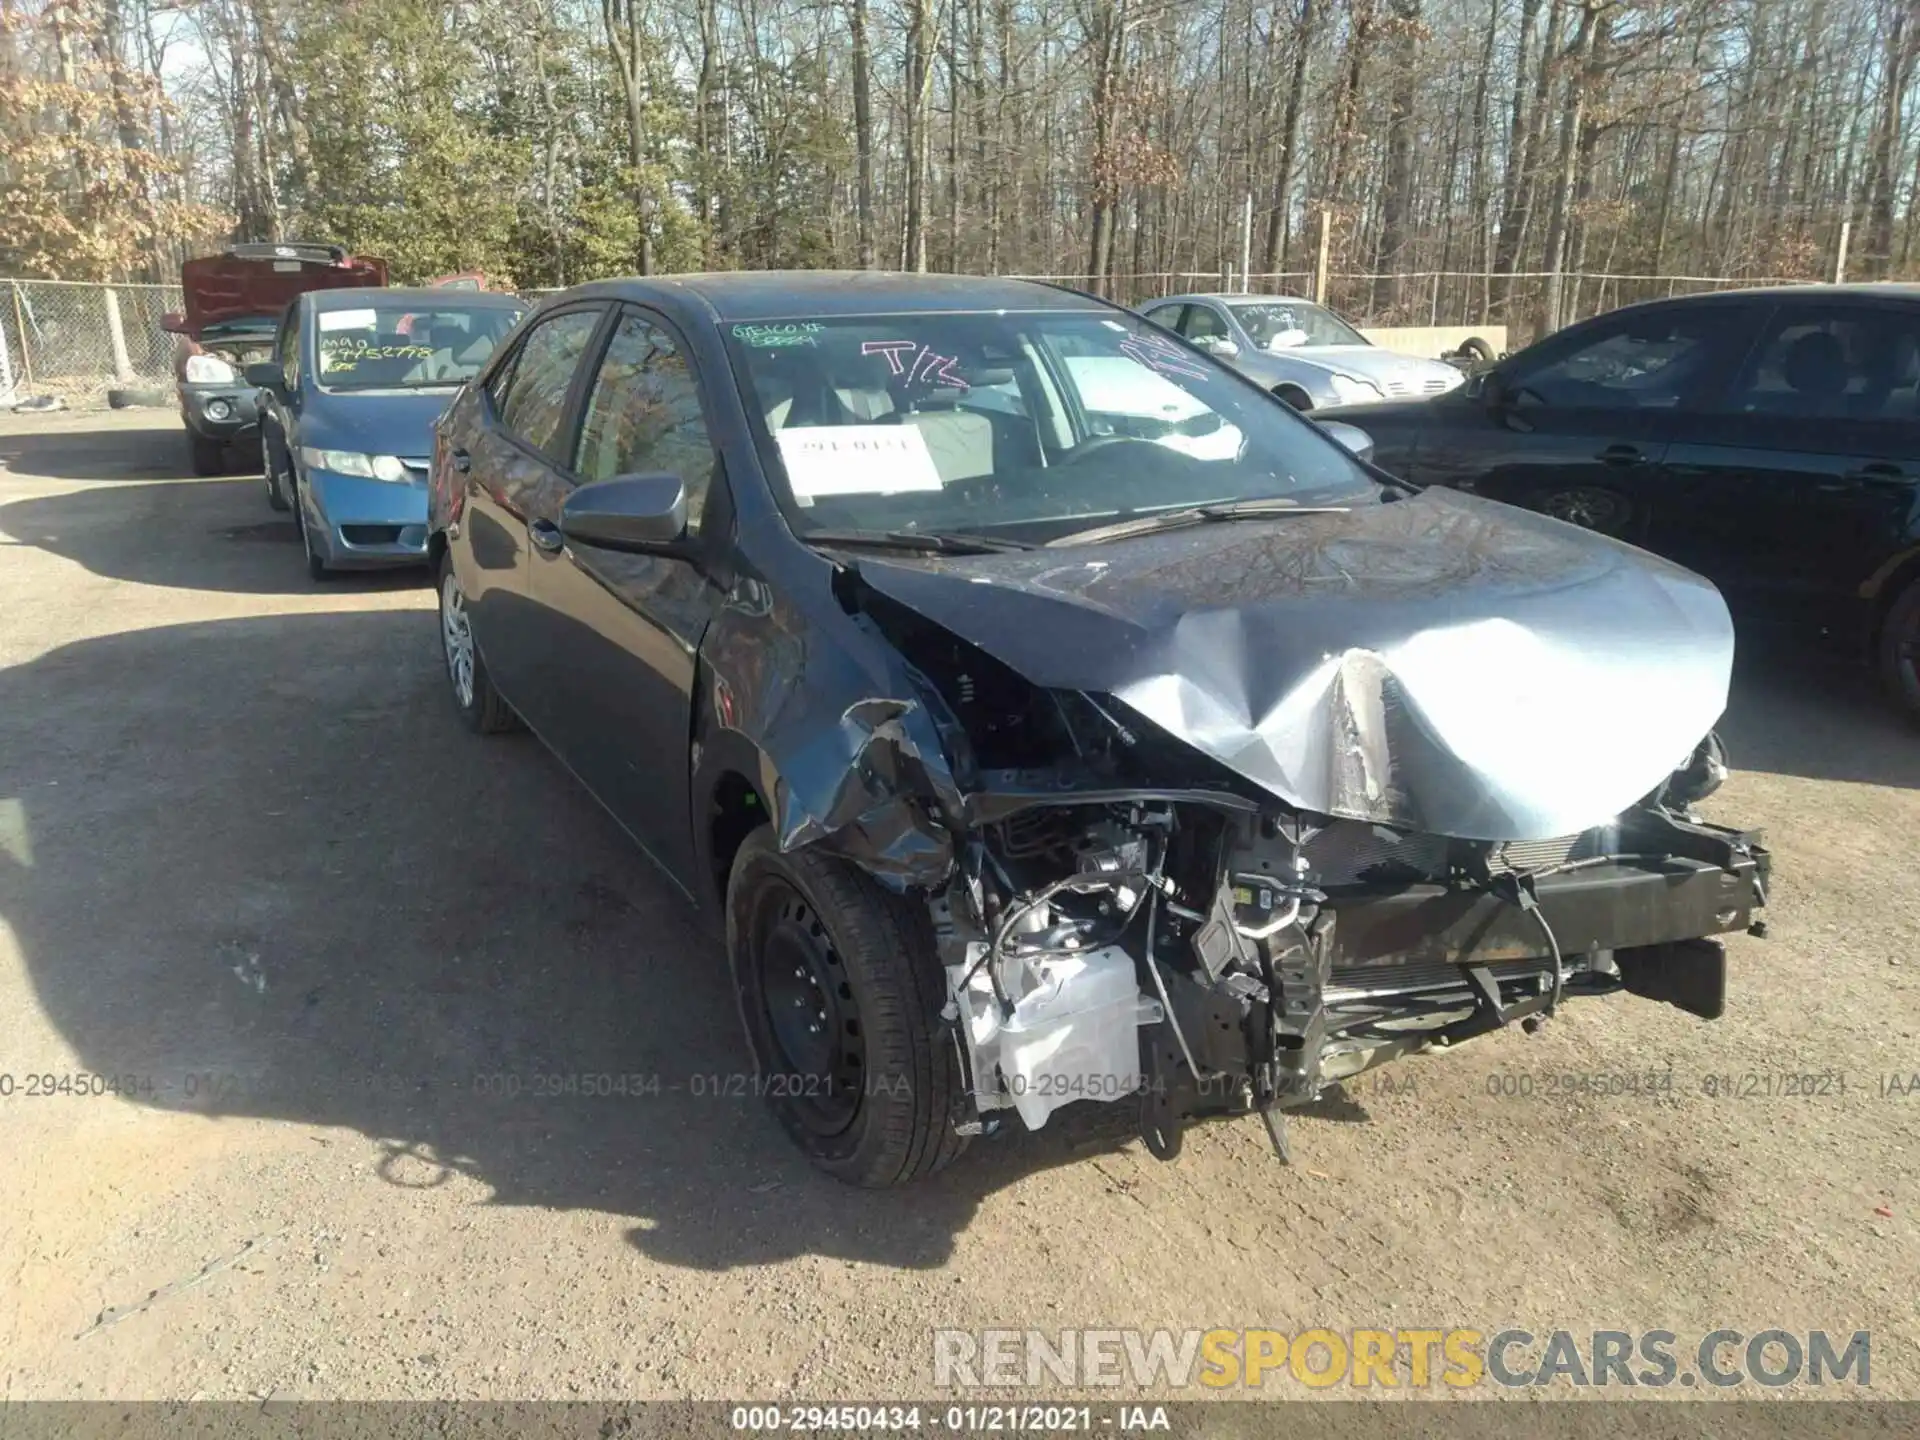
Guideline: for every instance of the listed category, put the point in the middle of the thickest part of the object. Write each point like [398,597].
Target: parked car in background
[1045,714]
[347,405]
[234,301]
[1302,352]
[1768,439]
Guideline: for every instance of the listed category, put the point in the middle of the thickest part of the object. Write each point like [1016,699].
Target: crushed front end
[1203,953]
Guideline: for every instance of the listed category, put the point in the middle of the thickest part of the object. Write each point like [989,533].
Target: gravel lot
[248,858]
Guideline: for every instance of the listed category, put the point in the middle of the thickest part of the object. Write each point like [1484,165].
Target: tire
[1294,396]
[206,457]
[1475,349]
[316,566]
[125,398]
[481,708]
[276,492]
[874,1104]
[1898,652]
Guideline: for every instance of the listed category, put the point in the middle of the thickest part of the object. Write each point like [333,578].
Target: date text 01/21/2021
[962,1419]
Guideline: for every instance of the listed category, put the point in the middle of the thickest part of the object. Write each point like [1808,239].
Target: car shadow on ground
[114,531]
[111,454]
[259,864]
[1820,718]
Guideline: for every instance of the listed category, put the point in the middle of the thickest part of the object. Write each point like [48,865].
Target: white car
[1301,351]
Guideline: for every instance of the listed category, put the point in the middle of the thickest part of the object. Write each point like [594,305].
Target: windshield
[394,347]
[1029,426]
[1293,323]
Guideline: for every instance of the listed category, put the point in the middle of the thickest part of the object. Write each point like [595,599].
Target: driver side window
[1662,361]
[643,415]
[1203,324]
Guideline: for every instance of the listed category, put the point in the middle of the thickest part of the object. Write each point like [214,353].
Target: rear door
[506,446]
[1585,418]
[1800,482]
[619,635]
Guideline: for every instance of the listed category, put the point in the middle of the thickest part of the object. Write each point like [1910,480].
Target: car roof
[425,296]
[1230,297]
[785,294]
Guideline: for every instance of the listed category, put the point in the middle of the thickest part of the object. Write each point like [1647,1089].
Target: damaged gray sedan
[1047,714]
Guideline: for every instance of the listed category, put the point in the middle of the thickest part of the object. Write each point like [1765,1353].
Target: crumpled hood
[1440,663]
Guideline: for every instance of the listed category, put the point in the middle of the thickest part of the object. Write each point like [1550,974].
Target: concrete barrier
[1428,341]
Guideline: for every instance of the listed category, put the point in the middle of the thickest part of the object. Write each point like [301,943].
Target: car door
[278,408]
[507,446]
[619,634]
[1578,426]
[1800,483]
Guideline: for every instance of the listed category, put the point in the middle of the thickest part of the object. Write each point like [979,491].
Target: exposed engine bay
[1129,921]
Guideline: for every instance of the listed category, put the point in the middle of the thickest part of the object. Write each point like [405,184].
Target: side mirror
[174,323]
[1356,440]
[266,375]
[1219,345]
[1491,389]
[638,514]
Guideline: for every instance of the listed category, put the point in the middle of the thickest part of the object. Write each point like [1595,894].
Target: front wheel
[205,456]
[1899,652]
[840,992]
[479,704]
[276,483]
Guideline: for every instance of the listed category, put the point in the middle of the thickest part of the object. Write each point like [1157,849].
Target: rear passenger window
[534,402]
[1823,364]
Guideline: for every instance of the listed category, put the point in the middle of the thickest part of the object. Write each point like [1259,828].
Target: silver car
[1301,351]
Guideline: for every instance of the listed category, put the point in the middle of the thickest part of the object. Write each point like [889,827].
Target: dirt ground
[251,867]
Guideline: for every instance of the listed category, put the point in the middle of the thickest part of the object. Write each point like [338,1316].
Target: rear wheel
[840,992]
[479,704]
[207,457]
[1294,396]
[1899,648]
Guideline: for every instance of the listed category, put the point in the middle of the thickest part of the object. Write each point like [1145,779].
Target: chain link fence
[77,341]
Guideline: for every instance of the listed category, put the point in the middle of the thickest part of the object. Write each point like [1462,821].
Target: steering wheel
[1094,444]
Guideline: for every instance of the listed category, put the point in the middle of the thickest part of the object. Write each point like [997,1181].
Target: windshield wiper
[927,542]
[1196,515]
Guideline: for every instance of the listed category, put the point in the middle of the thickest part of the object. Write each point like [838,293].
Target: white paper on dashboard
[347,319]
[856,460]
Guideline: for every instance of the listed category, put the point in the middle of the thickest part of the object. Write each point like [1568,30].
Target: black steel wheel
[811,1013]
[1899,652]
[840,994]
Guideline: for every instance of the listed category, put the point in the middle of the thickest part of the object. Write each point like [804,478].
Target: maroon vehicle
[234,302]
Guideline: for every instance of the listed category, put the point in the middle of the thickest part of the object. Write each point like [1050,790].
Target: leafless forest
[1497,158]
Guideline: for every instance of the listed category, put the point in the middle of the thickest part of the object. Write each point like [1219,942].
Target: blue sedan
[347,409]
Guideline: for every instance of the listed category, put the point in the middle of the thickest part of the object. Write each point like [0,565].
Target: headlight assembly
[352,462]
[210,370]
[1352,390]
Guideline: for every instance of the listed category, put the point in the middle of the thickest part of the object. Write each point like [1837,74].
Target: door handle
[546,535]
[1621,455]
[462,461]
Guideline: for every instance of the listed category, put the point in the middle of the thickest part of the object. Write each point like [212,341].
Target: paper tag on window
[347,319]
[856,460]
